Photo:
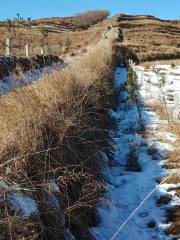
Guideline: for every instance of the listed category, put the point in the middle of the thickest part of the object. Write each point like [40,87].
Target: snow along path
[128,186]
[12,82]
[149,80]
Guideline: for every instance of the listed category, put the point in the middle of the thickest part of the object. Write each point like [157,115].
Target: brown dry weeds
[55,129]
[173,163]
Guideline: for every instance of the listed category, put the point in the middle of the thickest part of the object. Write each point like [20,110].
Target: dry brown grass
[161,62]
[173,163]
[53,130]
[80,20]
[174,216]
[150,38]
[63,34]
[58,43]
[91,17]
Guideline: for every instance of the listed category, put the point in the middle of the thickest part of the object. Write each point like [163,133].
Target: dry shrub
[91,17]
[173,163]
[174,216]
[54,130]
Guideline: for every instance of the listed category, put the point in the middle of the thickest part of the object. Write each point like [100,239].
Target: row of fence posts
[26,48]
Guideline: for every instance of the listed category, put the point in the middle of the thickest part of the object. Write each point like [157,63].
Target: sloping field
[71,144]
[52,134]
[55,35]
[148,37]
[151,38]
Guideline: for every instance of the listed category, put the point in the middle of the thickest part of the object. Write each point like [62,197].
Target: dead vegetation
[57,43]
[54,35]
[54,130]
[150,38]
[147,37]
[91,17]
[18,66]
[81,20]
[172,163]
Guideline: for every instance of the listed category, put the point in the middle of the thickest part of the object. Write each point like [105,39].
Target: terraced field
[150,38]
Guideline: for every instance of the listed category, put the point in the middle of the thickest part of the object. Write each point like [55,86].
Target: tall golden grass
[91,17]
[55,130]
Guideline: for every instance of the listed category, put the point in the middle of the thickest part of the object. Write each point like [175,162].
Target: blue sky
[166,9]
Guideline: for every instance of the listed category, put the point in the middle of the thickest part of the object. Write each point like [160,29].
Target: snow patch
[126,190]
[12,82]
[22,205]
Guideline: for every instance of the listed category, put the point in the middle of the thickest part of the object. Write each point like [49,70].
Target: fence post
[8,46]
[27,50]
[42,51]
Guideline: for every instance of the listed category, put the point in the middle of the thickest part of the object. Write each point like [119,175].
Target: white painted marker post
[8,46]
[42,51]
[27,50]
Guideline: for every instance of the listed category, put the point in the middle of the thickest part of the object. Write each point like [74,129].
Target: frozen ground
[168,78]
[12,81]
[131,209]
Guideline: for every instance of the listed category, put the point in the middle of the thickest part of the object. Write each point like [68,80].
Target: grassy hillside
[52,132]
[151,38]
[55,35]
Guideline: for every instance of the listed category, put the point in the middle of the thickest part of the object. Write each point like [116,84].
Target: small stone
[151,224]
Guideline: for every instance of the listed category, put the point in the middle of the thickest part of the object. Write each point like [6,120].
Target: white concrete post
[27,50]
[8,46]
[131,63]
[42,51]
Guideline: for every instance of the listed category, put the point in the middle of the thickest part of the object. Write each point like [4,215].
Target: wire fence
[9,47]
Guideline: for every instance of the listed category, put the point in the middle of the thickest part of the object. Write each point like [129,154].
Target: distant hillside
[54,35]
[147,37]
[151,38]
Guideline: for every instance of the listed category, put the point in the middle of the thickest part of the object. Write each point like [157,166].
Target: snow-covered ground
[19,200]
[23,204]
[168,78]
[13,81]
[130,209]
